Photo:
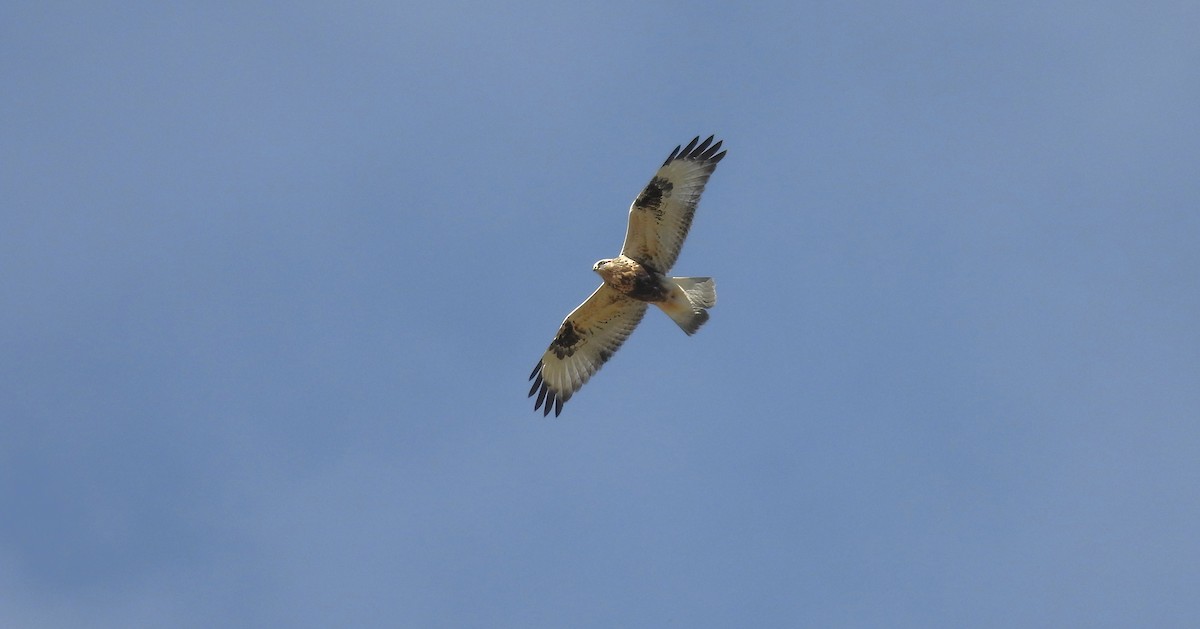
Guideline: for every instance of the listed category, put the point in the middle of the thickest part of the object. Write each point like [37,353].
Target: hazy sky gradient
[273,276]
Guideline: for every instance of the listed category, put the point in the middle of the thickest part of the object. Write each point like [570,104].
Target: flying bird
[659,220]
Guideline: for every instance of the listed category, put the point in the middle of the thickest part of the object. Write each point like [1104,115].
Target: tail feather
[701,291]
[687,304]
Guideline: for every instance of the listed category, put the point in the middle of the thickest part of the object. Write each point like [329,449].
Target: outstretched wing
[661,215]
[585,340]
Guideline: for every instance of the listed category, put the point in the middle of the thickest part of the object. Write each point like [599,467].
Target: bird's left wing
[661,216]
[585,340]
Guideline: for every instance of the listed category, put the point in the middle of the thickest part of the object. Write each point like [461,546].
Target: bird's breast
[635,280]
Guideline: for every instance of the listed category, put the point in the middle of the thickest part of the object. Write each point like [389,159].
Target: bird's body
[659,220]
[642,283]
[633,279]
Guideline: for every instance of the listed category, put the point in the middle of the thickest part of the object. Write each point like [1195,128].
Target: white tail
[701,291]
[687,303]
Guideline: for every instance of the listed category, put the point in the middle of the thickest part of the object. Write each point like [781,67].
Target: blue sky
[274,276]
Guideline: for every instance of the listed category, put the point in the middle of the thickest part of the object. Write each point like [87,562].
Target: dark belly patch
[647,287]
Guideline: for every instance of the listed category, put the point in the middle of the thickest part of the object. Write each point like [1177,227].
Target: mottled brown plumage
[633,279]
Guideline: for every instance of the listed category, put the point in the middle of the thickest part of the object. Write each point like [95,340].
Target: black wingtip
[547,399]
[699,151]
[673,155]
[687,150]
[712,150]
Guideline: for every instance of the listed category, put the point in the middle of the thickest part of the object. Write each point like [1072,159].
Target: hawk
[659,220]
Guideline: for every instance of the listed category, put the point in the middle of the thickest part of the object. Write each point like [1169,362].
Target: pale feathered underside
[661,216]
[586,339]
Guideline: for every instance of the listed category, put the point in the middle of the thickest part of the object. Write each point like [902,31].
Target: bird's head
[601,264]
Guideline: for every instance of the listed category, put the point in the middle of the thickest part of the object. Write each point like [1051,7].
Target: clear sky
[273,275]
